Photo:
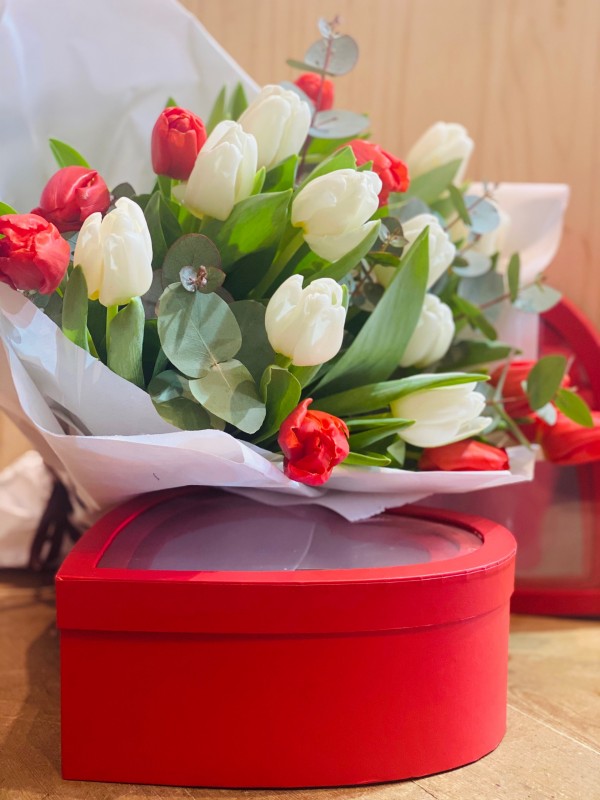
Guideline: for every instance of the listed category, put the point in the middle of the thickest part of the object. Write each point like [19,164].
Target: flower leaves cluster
[281,260]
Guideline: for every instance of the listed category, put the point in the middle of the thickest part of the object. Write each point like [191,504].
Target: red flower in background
[467,455]
[71,195]
[33,254]
[392,171]
[310,83]
[177,138]
[568,443]
[312,442]
[514,396]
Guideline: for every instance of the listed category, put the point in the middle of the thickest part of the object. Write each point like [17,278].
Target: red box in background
[209,640]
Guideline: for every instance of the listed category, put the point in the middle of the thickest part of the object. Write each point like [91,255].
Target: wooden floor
[551,750]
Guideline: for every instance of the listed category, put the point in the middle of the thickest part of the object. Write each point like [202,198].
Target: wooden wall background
[522,75]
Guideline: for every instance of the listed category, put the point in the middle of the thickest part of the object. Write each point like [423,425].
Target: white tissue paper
[99,84]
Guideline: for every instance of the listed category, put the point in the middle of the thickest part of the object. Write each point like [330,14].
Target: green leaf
[544,380]
[475,317]
[367,460]
[397,452]
[171,103]
[255,223]
[126,343]
[6,209]
[341,159]
[282,176]
[259,180]
[256,353]
[367,423]
[75,309]
[574,407]
[340,268]
[96,323]
[376,352]
[168,391]
[536,299]
[164,227]
[65,155]
[429,187]
[219,111]
[364,399]
[238,102]
[196,330]
[281,392]
[154,360]
[513,275]
[228,391]
[459,204]
[191,250]
[358,441]
[470,353]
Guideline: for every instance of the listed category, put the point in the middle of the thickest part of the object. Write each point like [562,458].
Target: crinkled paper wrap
[96,75]
[118,446]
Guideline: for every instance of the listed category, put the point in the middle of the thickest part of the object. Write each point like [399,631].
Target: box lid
[203,561]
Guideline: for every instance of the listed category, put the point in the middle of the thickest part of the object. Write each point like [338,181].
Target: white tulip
[433,335]
[440,144]
[279,121]
[115,254]
[333,210]
[223,173]
[441,249]
[441,416]
[306,325]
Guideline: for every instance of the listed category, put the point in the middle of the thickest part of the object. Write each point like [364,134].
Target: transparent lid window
[225,532]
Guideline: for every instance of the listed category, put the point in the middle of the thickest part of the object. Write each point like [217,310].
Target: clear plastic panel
[200,532]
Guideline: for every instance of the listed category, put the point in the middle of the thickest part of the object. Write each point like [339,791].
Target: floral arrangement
[292,283]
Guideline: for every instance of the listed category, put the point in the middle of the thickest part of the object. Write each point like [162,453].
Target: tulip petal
[332,248]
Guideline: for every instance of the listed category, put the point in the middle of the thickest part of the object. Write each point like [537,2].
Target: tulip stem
[277,266]
[282,361]
[111,313]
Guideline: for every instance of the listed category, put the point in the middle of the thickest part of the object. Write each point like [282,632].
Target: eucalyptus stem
[111,313]
[285,255]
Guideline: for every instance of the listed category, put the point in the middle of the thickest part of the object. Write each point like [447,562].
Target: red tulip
[320,92]
[467,455]
[177,138]
[568,443]
[33,254]
[312,442]
[71,195]
[392,171]
[515,399]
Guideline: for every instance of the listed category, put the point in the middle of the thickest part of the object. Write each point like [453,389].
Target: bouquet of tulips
[295,286]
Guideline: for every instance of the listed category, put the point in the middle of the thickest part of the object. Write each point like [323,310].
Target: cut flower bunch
[296,285]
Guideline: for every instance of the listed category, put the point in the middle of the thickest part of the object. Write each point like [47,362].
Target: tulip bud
[177,137]
[306,325]
[33,254]
[115,254]
[441,416]
[71,195]
[392,171]
[440,144]
[333,210]
[279,121]
[441,249]
[319,90]
[223,173]
[433,335]
[464,456]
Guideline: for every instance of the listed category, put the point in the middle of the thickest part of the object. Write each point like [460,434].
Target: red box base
[276,679]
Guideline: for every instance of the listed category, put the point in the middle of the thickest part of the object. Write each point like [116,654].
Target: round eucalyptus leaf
[484,215]
[228,391]
[196,330]
[338,124]
[191,250]
[342,57]
[183,413]
[477,264]
[325,28]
